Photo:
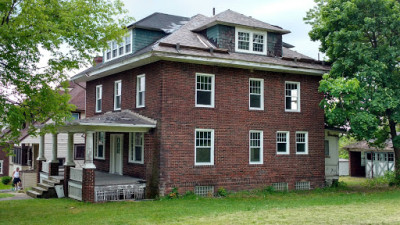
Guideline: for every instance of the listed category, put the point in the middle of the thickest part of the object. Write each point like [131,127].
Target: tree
[362,90]
[72,31]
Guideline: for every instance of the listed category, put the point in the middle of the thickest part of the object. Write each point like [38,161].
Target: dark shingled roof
[234,18]
[160,22]
[78,95]
[125,117]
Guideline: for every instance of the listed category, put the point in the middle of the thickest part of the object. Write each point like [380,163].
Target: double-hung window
[292,96]
[117,95]
[256,147]
[204,147]
[256,94]
[282,142]
[302,142]
[100,142]
[1,166]
[205,90]
[136,147]
[108,52]
[140,91]
[128,41]
[114,49]
[99,97]
[121,48]
[251,41]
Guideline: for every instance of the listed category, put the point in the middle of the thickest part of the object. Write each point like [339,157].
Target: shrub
[6,180]
[389,178]
[173,194]
[269,190]
[222,192]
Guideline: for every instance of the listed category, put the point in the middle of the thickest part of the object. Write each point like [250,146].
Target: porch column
[68,162]
[88,172]
[40,158]
[53,166]
[89,151]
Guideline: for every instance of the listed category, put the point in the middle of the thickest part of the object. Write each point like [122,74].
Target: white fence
[76,174]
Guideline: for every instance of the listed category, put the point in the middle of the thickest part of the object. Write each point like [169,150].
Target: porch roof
[123,121]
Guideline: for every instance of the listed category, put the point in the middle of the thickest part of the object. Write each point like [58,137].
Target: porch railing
[45,167]
[76,174]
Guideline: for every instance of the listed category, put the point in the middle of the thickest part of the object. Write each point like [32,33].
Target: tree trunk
[396,149]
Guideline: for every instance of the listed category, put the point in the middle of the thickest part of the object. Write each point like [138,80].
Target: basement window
[282,186]
[303,185]
[204,191]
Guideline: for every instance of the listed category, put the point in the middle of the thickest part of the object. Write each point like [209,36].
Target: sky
[287,14]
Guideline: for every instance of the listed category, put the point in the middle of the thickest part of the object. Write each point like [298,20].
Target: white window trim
[251,33]
[212,90]
[262,94]
[99,90]
[298,98]
[132,150]
[261,147]
[122,44]
[1,166]
[115,94]
[287,143]
[212,148]
[306,142]
[96,153]
[137,91]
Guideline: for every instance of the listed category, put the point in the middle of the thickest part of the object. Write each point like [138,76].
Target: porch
[104,184]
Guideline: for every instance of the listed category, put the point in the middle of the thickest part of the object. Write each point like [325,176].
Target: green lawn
[5,195]
[322,206]
[3,187]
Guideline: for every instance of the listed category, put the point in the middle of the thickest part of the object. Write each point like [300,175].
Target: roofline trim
[216,22]
[154,56]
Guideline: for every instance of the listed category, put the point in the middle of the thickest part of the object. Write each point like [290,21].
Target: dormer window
[116,50]
[251,41]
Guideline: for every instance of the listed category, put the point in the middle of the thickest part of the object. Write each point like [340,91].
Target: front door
[116,153]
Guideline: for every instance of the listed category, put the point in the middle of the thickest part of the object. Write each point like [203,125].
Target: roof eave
[281,31]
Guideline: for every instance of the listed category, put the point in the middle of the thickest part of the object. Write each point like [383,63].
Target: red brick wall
[5,158]
[170,99]
[356,170]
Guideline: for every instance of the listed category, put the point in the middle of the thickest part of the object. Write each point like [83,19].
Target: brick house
[200,103]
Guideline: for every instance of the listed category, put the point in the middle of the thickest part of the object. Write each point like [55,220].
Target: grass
[354,204]
[4,187]
[5,195]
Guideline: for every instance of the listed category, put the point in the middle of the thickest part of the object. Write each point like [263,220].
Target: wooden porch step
[44,186]
[51,182]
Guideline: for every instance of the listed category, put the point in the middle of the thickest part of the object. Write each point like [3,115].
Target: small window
[117,95]
[75,116]
[204,147]
[108,52]
[250,41]
[99,96]
[256,147]
[136,147]
[114,49]
[79,151]
[244,41]
[1,166]
[99,145]
[362,158]
[204,90]
[326,148]
[292,96]
[303,185]
[121,49]
[140,91]
[128,43]
[282,142]
[282,186]
[302,142]
[256,94]
[390,157]
[205,191]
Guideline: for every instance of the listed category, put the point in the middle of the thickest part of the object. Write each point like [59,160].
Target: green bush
[389,178]
[6,180]
[222,192]
[269,190]
[173,194]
